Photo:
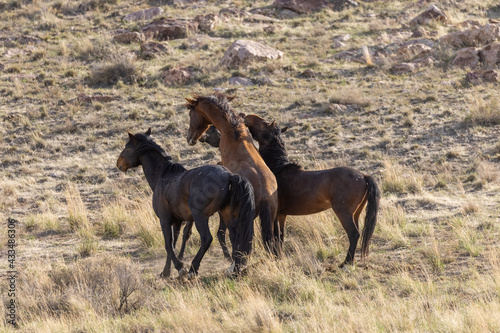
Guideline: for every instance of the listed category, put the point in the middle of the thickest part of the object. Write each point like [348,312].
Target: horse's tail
[373,195]
[242,196]
[266,226]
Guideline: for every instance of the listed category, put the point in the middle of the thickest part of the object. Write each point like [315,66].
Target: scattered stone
[338,44]
[207,22]
[308,73]
[167,29]
[467,57]
[145,14]
[338,107]
[244,52]
[176,76]
[258,18]
[287,14]
[228,13]
[2,66]
[403,68]
[97,98]
[270,29]
[490,55]
[413,50]
[338,41]
[263,80]
[241,81]
[475,36]
[308,6]
[420,33]
[150,50]
[481,76]
[410,67]
[126,37]
[432,13]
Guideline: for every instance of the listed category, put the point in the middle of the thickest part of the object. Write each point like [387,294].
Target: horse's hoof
[183,273]
[164,275]
[231,271]
[191,275]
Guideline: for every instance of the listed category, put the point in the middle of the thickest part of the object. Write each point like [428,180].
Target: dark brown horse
[239,155]
[193,195]
[302,192]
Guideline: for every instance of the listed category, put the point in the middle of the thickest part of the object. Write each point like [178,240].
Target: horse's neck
[219,121]
[232,149]
[152,165]
[274,156]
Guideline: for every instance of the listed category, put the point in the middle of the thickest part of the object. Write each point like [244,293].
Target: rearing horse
[240,156]
[302,192]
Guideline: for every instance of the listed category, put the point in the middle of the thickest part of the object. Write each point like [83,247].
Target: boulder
[126,37]
[481,76]
[207,22]
[244,52]
[432,13]
[475,36]
[467,57]
[167,29]
[145,14]
[490,55]
[176,76]
[150,50]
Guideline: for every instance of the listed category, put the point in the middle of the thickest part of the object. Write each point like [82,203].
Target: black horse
[193,195]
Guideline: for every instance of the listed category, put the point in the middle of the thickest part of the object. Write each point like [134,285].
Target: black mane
[221,102]
[147,144]
[275,156]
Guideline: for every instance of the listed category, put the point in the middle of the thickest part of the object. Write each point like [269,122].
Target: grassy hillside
[90,248]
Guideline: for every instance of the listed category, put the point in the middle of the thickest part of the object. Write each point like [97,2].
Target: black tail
[267,226]
[242,197]
[373,195]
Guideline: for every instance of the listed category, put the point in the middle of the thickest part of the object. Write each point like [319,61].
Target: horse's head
[262,131]
[198,124]
[129,157]
[211,136]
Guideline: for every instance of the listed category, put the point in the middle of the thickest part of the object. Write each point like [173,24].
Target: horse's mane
[275,156]
[221,102]
[147,144]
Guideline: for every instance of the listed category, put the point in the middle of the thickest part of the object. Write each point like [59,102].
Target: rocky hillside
[404,90]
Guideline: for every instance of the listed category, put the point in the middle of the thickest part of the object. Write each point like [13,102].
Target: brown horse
[302,192]
[193,195]
[239,155]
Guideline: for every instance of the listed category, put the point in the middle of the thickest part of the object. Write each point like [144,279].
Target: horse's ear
[242,115]
[273,124]
[148,132]
[284,129]
[131,136]
[190,102]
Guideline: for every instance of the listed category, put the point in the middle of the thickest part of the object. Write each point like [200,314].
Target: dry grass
[91,248]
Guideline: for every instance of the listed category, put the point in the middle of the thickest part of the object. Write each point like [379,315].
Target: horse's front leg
[166,270]
[166,227]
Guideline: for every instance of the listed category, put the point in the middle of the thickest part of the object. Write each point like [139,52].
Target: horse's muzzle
[121,165]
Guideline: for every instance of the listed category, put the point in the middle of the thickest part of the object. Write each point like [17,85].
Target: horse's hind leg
[352,230]
[201,223]
[221,236]
[185,236]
